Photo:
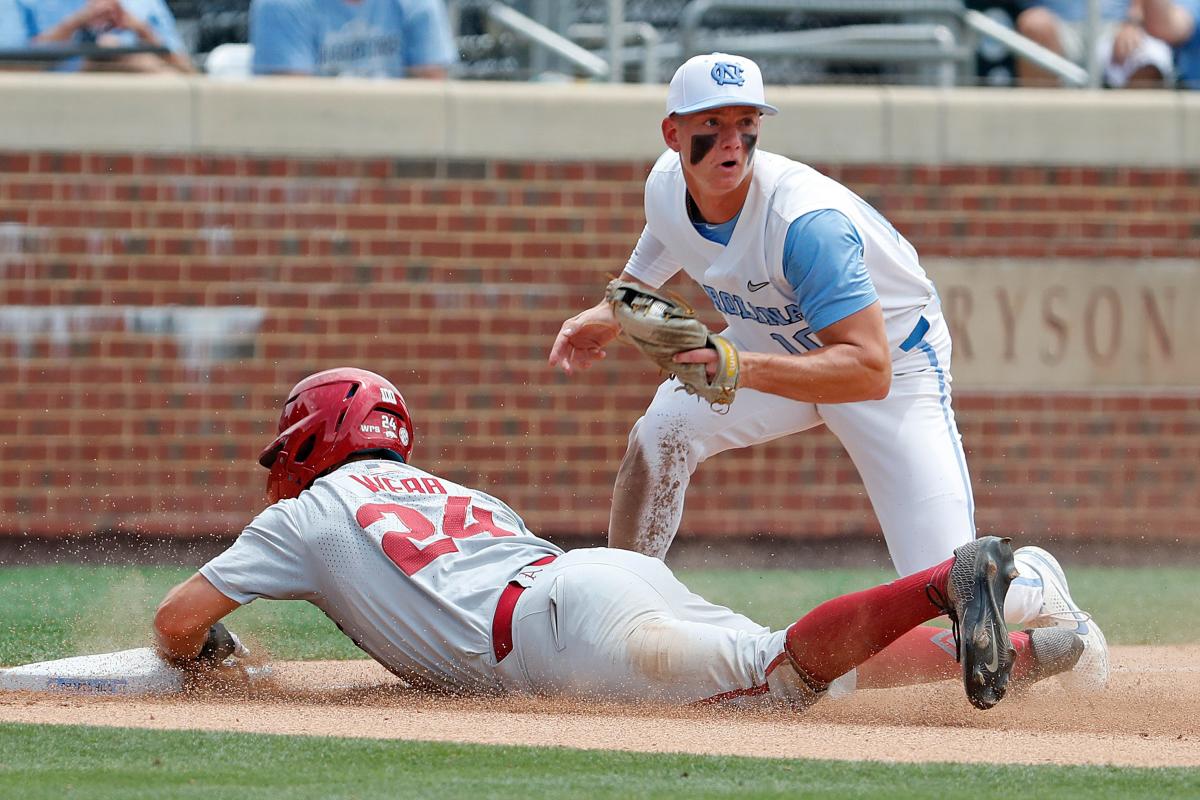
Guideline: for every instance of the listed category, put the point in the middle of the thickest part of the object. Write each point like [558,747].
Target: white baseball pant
[616,625]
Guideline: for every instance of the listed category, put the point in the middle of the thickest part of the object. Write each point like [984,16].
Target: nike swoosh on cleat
[754,287]
[994,663]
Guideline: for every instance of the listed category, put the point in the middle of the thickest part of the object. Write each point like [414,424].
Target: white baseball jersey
[409,565]
[745,278]
[803,253]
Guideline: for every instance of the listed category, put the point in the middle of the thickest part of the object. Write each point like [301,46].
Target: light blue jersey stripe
[929,352]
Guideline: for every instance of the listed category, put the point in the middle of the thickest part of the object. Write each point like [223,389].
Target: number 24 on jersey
[418,545]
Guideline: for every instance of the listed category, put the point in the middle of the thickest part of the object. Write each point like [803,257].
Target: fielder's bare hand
[583,337]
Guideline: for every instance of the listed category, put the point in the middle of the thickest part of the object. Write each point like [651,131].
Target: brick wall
[156,308]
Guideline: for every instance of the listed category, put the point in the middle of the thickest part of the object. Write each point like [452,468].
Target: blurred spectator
[112,23]
[1129,55]
[15,30]
[367,38]
[1177,22]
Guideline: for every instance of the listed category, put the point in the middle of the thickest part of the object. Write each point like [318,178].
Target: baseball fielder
[835,323]
[446,587]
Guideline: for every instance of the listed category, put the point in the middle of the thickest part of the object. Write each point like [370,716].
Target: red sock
[926,654]
[842,633]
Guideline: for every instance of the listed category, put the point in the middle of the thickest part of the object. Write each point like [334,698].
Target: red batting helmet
[329,417]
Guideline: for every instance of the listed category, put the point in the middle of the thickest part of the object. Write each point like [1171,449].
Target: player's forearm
[837,373]
[183,618]
[176,638]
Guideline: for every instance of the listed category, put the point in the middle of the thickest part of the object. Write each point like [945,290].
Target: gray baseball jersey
[409,565]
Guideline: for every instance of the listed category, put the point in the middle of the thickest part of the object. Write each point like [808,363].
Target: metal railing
[695,11]
[650,52]
[538,34]
[913,43]
[1067,71]
[943,34]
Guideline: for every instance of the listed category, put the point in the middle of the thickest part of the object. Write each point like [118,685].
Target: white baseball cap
[714,81]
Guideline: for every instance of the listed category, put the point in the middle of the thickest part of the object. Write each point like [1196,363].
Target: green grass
[1146,605]
[51,612]
[96,763]
[57,611]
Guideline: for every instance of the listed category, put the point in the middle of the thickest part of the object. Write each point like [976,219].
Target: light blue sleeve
[823,262]
[162,22]
[427,39]
[268,560]
[283,36]
[1076,11]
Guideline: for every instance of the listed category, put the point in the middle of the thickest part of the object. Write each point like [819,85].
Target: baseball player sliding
[446,587]
[831,320]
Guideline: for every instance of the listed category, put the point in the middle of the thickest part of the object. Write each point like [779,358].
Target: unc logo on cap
[726,73]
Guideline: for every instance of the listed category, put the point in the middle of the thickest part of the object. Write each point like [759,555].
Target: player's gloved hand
[219,645]
[662,327]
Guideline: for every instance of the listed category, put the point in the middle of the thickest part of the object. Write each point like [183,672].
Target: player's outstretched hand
[219,645]
[582,339]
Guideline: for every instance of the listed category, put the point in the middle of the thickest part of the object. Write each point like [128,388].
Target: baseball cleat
[1059,610]
[975,592]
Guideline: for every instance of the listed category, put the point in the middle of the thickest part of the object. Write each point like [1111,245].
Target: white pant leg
[908,451]
[603,623]
[676,433]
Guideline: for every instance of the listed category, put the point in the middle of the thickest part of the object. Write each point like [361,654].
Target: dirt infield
[1150,716]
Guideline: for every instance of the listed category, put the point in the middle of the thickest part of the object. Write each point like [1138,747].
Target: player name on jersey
[382,483]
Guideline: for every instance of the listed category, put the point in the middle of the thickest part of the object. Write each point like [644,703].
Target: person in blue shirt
[14,25]
[361,38]
[1177,22]
[112,23]
[1130,57]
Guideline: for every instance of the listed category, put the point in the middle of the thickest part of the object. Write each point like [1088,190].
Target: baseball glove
[661,326]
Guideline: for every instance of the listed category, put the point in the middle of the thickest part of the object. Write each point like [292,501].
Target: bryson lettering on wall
[1072,325]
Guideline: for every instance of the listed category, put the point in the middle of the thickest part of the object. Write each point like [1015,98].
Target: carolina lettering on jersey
[382,483]
[728,303]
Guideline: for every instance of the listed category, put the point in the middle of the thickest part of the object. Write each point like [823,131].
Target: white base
[139,671]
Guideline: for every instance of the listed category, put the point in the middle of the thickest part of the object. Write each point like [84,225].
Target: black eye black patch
[749,141]
[701,144]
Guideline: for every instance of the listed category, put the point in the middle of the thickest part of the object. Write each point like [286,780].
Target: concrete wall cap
[586,121]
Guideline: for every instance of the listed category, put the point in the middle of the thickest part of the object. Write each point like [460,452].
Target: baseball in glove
[661,326]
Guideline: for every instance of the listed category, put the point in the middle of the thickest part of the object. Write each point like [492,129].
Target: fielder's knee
[663,443]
